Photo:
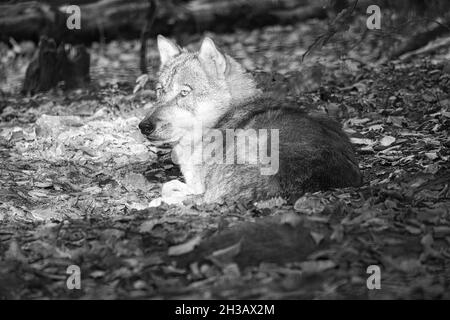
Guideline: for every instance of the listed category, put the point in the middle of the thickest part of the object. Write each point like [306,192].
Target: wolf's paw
[173,192]
[175,188]
[169,200]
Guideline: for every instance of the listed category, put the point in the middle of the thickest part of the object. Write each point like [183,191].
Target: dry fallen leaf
[309,205]
[226,255]
[317,237]
[291,218]
[147,226]
[14,252]
[185,247]
[317,266]
[362,141]
[386,141]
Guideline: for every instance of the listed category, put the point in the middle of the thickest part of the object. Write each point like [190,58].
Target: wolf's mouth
[154,139]
[161,143]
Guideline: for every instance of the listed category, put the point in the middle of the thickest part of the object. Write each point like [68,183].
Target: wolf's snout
[146,127]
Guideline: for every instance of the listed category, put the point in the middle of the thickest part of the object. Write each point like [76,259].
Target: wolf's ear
[167,49]
[212,58]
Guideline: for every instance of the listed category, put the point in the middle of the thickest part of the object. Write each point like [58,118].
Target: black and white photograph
[224,156]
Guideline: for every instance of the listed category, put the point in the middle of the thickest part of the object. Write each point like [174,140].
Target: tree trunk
[52,65]
[126,18]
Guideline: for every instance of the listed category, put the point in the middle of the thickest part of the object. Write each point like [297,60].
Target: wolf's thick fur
[212,89]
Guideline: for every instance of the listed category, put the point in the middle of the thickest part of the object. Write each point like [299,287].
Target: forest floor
[76,179]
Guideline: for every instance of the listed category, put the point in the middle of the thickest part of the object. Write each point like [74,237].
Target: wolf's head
[194,89]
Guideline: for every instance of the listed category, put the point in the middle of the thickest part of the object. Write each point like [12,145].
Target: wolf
[211,90]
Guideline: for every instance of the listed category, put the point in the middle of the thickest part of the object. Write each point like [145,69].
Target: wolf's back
[314,154]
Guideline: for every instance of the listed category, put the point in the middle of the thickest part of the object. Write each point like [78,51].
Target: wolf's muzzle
[146,127]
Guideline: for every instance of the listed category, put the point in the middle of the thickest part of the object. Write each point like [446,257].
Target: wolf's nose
[146,127]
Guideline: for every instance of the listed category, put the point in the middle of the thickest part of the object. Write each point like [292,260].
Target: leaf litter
[77,179]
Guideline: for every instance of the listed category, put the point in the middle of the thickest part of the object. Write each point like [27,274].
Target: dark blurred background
[304,27]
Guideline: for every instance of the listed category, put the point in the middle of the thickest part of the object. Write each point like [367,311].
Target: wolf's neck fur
[242,88]
[241,85]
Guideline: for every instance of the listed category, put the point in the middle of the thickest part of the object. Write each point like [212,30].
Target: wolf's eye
[158,90]
[185,91]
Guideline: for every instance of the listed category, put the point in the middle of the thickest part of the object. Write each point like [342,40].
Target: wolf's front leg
[176,192]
